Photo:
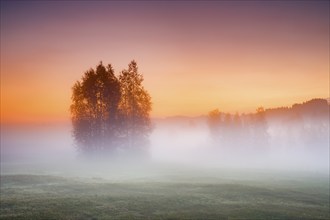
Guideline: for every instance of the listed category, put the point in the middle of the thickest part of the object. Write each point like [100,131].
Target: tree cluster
[111,114]
[237,132]
[303,126]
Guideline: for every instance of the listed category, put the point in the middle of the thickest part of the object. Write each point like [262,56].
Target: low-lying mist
[189,141]
[175,142]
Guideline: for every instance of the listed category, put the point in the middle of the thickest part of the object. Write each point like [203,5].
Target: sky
[195,56]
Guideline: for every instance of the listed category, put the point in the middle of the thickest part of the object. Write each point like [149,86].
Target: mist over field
[189,173]
[289,143]
[188,141]
[196,168]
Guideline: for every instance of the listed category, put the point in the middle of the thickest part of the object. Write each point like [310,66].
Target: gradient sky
[195,56]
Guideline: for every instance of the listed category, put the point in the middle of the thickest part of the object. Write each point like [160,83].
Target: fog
[175,142]
[36,143]
[188,141]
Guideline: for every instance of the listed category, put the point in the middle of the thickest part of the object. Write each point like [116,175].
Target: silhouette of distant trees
[110,114]
[235,132]
[260,134]
[215,123]
[305,126]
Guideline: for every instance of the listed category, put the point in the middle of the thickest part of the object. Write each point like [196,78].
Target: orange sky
[195,56]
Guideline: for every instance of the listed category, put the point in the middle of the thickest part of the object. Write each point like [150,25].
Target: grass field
[171,194]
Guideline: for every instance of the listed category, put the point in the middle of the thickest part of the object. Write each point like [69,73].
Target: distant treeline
[313,109]
[304,125]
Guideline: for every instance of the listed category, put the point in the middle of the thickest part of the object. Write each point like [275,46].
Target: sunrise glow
[194,56]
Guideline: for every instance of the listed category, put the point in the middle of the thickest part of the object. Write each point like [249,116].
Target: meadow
[164,193]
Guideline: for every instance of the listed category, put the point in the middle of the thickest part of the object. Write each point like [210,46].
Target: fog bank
[175,141]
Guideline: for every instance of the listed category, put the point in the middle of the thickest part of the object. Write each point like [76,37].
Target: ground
[171,194]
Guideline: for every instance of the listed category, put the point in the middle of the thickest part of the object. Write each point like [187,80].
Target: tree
[237,122]
[260,134]
[135,107]
[236,136]
[94,110]
[214,123]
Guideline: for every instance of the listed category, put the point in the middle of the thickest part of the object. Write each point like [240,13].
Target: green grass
[179,196]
